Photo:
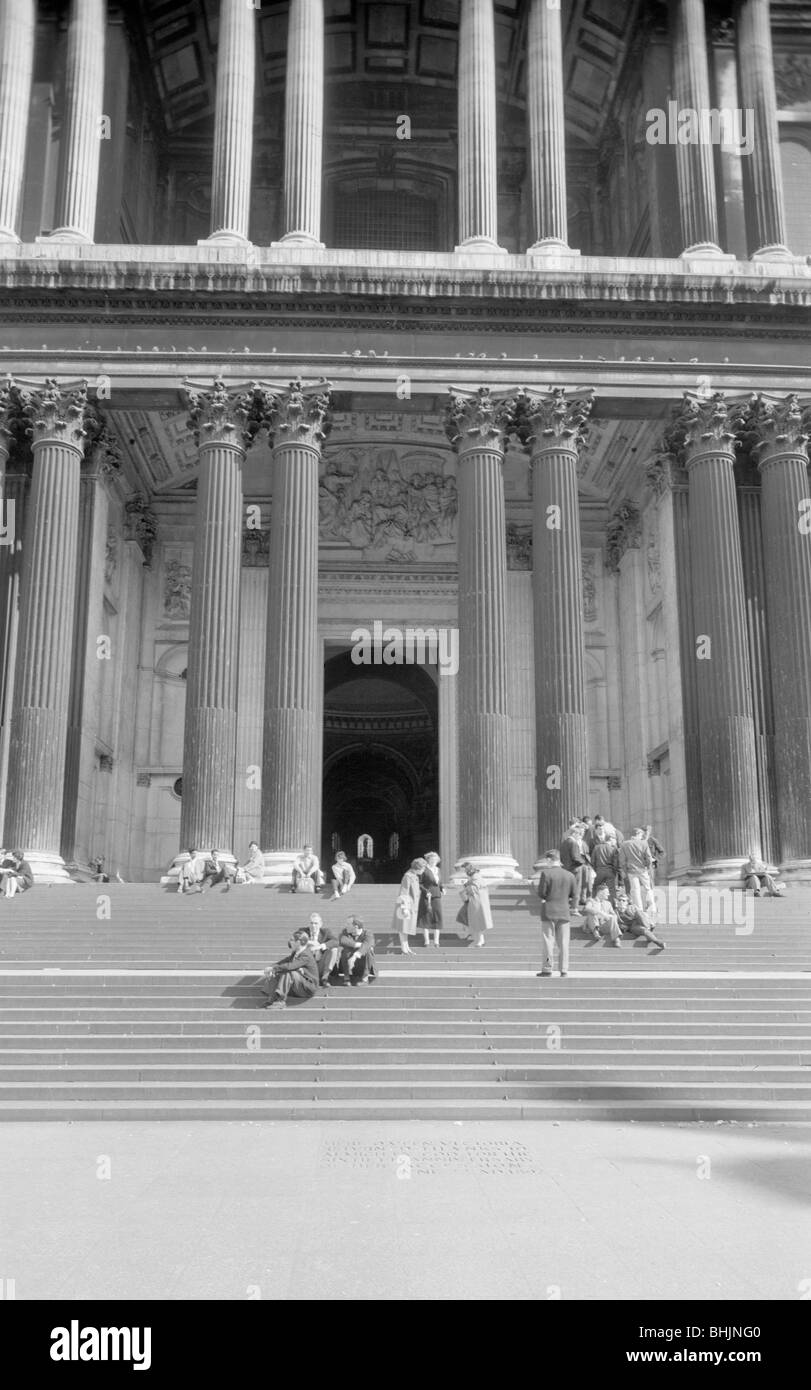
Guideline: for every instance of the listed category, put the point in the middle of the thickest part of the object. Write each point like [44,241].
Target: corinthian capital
[703,424]
[775,425]
[220,416]
[14,427]
[57,414]
[477,418]
[299,414]
[556,419]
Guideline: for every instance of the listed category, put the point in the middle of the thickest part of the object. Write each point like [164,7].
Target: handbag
[461,915]
[404,909]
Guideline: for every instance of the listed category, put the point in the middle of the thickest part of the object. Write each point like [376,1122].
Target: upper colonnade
[477,231]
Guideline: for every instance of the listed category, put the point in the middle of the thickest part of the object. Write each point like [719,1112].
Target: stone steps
[716,1027]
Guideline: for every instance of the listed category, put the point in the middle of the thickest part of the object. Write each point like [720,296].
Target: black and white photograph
[405,546]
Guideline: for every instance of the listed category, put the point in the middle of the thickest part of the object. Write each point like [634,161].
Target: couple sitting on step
[308,876]
[15,873]
[315,955]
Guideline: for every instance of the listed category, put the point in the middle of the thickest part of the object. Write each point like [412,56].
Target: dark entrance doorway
[381,765]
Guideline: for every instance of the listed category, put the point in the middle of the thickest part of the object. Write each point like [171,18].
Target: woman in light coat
[474,893]
[406,909]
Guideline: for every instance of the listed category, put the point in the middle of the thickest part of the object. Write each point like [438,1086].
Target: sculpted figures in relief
[388,502]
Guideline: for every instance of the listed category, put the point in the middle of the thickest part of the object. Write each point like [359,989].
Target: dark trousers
[293,982]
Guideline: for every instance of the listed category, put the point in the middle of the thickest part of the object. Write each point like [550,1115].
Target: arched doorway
[380,764]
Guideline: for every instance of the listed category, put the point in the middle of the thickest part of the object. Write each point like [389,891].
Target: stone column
[478,171]
[224,423]
[233,123]
[703,436]
[766,217]
[47,614]
[17,27]
[303,124]
[291,762]
[553,427]
[694,162]
[13,489]
[780,428]
[477,425]
[547,137]
[80,147]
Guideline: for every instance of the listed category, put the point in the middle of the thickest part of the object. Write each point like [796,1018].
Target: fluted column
[224,424]
[303,124]
[478,171]
[233,123]
[703,436]
[694,162]
[547,137]
[765,212]
[17,27]
[780,428]
[47,613]
[477,424]
[299,422]
[553,427]
[79,147]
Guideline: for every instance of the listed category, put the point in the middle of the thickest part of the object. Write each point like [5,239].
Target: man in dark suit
[557,890]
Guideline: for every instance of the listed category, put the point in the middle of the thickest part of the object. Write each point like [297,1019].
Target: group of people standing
[419,904]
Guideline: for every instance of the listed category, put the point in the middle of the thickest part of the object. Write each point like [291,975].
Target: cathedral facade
[404,415]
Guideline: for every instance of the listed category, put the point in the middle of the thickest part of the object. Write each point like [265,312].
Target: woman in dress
[474,893]
[430,913]
[406,909]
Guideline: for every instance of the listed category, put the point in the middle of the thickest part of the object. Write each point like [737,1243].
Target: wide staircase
[129,1002]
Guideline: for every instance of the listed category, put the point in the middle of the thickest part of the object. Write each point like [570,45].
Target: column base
[494,869]
[225,238]
[795,871]
[6,234]
[69,234]
[279,866]
[480,245]
[551,246]
[776,252]
[299,239]
[704,251]
[722,871]
[47,868]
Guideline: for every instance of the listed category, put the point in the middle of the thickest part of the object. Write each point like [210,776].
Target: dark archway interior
[380,765]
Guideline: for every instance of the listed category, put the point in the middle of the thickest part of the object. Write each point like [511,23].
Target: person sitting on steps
[343,876]
[634,921]
[325,945]
[601,917]
[16,875]
[358,965]
[307,874]
[296,974]
[756,876]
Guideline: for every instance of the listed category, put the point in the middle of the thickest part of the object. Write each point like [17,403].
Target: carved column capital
[141,526]
[776,426]
[298,414]
[58,414]
[703,424]
[555,420]
[478,419]
[220,416]
[15,431]
[624,533]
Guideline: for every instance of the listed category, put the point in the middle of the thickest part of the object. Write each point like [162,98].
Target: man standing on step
[296,974]
[635,867]
[558,892]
